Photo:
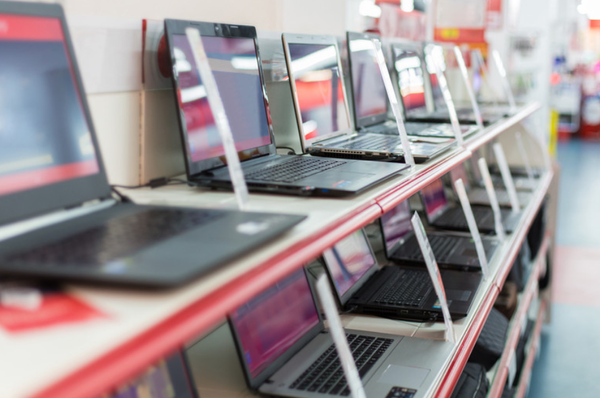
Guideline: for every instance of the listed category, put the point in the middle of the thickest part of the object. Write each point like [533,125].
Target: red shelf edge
[466,346]
[528,365]
[150,346]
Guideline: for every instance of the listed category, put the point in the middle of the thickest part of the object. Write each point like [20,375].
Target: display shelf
[140,327]
[514,332]
[531,353]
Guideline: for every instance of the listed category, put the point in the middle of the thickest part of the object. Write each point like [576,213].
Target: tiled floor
[568,362]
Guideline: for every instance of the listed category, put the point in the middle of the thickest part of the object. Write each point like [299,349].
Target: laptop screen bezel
[343,299]
[256,382]
[37,201]
[291,38]
[366,120]
[211,29]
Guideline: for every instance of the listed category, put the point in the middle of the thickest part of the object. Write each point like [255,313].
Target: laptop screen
[434,199]
[319,89]
[368,90]
[436,90]
[348,261]
[411,83]
[273,321]
[460,172]
[395,225]
[169,378]
[44,134]
[234,63]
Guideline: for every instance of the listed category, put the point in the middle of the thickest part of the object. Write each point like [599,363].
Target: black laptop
[322,110]
[236,65]
[50,164]
[369,98]
[441,215]
[393,291]
[450,250]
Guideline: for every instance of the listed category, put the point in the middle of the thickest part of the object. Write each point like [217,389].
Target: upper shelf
[139,328]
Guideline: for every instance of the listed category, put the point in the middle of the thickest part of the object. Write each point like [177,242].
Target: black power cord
[154,183]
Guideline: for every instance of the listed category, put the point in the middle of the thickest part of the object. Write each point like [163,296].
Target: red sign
[494,14]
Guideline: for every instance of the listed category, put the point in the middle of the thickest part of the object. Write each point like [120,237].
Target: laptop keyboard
[293,170]
[457,219]
[374,143]
[442,247]
[326,376]
[118,237]
[407,289]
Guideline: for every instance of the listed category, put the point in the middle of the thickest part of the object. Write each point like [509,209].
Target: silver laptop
[286,351]
[322,110]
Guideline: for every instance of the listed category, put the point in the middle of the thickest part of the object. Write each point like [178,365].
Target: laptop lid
[273,326]
[434,200]
[395,227]
[49,155]
[317,85]
[233,55]
[170,377]
[408,67]
[350,264]
[368,94]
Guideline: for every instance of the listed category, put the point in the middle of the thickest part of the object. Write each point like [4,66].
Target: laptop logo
[252,227]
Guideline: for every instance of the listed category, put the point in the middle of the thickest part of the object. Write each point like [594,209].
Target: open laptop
[169,378]
[234,59]
[519,175]
[421,104]
[322,111]
[368,94]
[441,215]
[50,165]
[478,195]
[393,291]
[450,250]
[286,351]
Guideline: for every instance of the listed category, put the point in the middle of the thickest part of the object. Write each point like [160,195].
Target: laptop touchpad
[458,295]
[405,376]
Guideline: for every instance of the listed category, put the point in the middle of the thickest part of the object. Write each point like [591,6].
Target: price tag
[525,159]
[434,273]
[465,75]
[446,94]
[236,174]
[339,338]
[389,89]
[512,367]
[459,186]
[507,177]
[504,80]
[489,187]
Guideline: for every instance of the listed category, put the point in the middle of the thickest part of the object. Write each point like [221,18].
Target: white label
[504,80]
[339,338]
[447,97]
[507,177]
[525,159]
[389,89]
[459,186]
[434,273]
[489,187]
[512,368]
[465,75]
[236,174]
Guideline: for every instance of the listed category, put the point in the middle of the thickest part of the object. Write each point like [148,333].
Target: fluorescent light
[407,5]
[244,63]
[368,8]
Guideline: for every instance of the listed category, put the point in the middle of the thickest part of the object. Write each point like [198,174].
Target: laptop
[393,291]
[520,178]
[286,351]
[170,377]
[411,80]
[478,195]
[451,251]
[51,166]
[441,215]
[368,94]
[322,112]
[235,62]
